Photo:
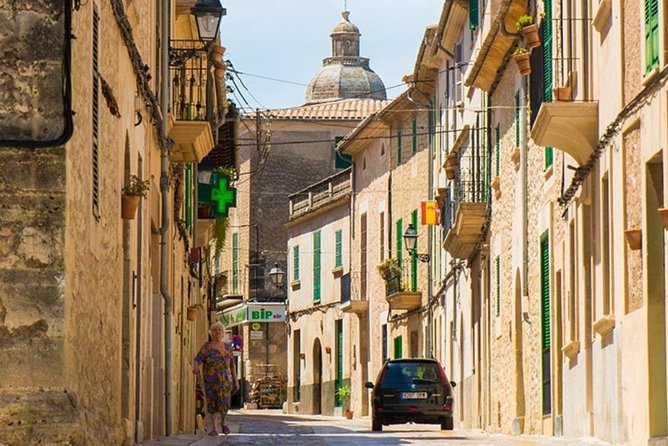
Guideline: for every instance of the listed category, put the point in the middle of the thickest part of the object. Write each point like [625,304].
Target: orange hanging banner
[429,212]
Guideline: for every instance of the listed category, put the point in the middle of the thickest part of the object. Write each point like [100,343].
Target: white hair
[216,325]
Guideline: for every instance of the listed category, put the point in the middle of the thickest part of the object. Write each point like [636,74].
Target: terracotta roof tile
[347,109]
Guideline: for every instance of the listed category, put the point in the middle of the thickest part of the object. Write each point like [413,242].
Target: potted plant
[389,268]
[634,237]
[192,310]
[131,193]
[343,394]
[521,56]
[529,30]
[562,93]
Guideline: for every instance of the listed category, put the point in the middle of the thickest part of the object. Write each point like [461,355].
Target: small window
[338,260]
[295,263]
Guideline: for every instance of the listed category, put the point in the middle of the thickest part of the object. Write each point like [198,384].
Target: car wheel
[447,424]
[376,424]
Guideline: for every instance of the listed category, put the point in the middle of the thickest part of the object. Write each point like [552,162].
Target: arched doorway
[317,377]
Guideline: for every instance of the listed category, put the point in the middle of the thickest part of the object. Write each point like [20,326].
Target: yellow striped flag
[429,212]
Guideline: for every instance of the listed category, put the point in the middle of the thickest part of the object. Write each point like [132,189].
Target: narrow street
[271,427]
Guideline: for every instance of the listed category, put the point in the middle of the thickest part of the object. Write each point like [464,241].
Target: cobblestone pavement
[272,428]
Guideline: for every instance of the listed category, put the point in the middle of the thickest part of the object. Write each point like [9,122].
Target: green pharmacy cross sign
[219,193]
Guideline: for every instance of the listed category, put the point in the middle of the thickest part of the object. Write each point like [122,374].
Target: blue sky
[287,40]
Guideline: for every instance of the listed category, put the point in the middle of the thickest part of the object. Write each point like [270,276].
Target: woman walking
[216,363]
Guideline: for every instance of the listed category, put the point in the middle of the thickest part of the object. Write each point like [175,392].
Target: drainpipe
[164,223]
[428,341]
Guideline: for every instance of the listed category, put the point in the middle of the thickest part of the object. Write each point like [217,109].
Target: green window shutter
[414,260]
[414,136]
[398,146]
[517,119]
[399,227]
[546,373]
[338,261]
[316,266]
[498,285]
[188,197]
[545,289]
[473,14]
[295,263]
[235,262]
[497,148]
[398,347]
[548,63]
[341,160]
[651,34]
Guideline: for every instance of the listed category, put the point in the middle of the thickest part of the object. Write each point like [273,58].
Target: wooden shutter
[473,14]
[363,256]
[295,263]
[651,34]
[316,266]
[414,136]
[381,235]
[545,322]
[338,258]
[517,119]
[497,151]
[398,347]
[188,197]
[339,359]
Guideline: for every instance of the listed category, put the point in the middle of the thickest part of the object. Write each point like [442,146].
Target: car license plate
[414,395]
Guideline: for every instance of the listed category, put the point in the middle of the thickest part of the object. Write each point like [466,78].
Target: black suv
[412,390]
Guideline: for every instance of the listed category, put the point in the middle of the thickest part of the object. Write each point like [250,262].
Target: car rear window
[402,373]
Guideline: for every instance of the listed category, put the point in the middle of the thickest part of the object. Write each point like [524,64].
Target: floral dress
[217,372]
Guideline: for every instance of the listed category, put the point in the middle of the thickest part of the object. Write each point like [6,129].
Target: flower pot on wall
[663,214]
[450,173]
[129,205]
[349,414]
[191,312]
[561,93]
[633,238]
[523,62]
[530,33]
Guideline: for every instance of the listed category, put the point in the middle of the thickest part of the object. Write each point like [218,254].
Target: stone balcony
[321,196]
[353,293]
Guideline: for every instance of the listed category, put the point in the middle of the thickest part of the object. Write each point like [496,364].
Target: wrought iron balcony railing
[192,83]
[471,184]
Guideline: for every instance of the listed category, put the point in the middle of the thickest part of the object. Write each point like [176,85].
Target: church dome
[345,74]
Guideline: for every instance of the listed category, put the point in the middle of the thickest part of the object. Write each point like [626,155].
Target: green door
[398,347]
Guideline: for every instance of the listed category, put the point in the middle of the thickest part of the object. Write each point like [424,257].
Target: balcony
[568,126]
[191,102]
[466,209]
[493,52]
[398,292]
[321,196]
[353,299]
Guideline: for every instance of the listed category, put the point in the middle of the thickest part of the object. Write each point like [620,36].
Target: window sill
[649,76]
[337,271]
[571,349]
[295,285]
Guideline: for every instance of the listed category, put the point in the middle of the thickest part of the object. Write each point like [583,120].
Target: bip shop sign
[266,313]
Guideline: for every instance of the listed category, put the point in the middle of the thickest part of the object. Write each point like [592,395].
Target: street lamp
[276,276]
[410,241]
[208,14]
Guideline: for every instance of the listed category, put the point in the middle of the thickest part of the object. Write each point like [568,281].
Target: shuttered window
[338,257]
[398,347]
[381,235]
[316,266]
[473,14]
[363,256]
[414,136]
[548,63]
[414,259]
[545,321]
[295,263]
[95,124]
[651,34]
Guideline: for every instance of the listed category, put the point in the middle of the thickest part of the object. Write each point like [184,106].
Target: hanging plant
[521,56]
[529,30]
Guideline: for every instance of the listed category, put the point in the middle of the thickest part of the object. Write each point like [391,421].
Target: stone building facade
[82,303]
